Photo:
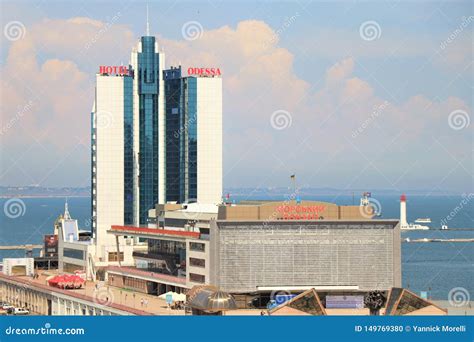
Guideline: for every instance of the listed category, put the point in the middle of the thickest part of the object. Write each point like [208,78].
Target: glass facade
[166,257]
[73,253]
[191,138]
[173,110]
[148,74]
[181,136]
[128,150]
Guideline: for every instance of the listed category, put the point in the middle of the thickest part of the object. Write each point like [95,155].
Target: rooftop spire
[67,216]
[147,22]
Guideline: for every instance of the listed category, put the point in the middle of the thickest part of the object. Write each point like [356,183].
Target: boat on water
[412,226]
[423,220]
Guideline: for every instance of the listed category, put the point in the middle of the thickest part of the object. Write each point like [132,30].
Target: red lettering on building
[114,70]
[301,212]
[204,71]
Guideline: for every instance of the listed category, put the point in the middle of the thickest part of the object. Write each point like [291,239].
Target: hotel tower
[156,137]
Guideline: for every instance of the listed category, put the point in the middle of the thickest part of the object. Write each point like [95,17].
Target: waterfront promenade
[95,293]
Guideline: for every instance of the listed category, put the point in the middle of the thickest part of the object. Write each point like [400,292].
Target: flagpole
[293,178]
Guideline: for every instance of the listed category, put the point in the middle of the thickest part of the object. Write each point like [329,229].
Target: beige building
[291,210]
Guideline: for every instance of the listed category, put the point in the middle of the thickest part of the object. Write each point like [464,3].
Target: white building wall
[209,140]
[109,122]
[136,136]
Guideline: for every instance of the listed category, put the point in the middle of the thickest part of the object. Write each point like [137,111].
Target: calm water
[434,267]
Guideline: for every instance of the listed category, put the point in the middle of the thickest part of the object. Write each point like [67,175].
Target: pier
[437,240]
[13,247]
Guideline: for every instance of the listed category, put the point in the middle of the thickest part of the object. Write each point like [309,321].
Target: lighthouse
[403,212]
[403,217]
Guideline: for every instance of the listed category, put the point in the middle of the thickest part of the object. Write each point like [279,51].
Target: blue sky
[360,112]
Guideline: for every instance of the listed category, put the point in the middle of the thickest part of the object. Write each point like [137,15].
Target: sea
[434,267]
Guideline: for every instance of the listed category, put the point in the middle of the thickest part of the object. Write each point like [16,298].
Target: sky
[346,94]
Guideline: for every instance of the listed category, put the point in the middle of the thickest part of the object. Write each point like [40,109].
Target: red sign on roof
[204,72]
[114,70]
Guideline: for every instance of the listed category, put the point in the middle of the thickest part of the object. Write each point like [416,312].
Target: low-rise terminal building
[254,250]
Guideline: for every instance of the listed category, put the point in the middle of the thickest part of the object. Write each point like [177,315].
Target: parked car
[6,306]
[20,311]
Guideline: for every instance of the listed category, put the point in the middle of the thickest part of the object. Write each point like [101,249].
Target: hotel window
[197,278]
[197,262]
[196,246]
[113,256]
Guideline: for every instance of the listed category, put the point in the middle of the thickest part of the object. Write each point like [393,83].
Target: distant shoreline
[261,195]
[43,196]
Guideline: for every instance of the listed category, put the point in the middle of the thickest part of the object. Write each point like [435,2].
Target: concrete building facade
[44,300]
[248,256]
[192,246]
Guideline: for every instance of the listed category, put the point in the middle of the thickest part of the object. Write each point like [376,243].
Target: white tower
[403,212]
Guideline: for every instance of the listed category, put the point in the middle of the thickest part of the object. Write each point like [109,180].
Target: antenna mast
[147,22]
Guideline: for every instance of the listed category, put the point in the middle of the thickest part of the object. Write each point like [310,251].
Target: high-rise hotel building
[149,127]
[111,150]
[156,138]
[193,137]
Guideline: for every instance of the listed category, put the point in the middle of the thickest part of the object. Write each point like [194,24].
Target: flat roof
[130,230]
[33,283]
[317,222]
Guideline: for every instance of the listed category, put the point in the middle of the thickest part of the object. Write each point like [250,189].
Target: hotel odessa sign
[204,71]
[114,70]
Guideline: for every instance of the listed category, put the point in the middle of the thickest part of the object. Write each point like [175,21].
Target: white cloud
[259,78]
